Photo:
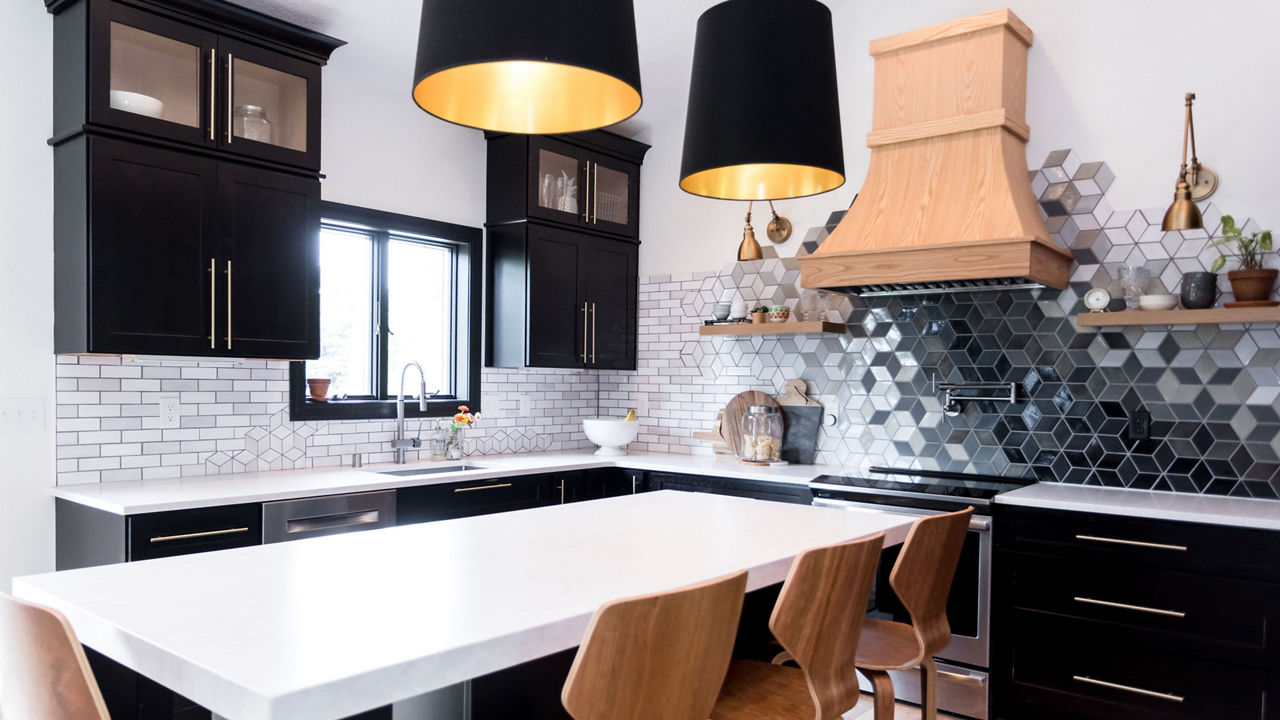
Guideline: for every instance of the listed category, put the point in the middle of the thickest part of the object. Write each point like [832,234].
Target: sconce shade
[1183,214]
[763,119]
[554,66]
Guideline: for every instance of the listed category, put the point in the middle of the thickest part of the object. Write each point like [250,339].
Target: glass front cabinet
[158,74]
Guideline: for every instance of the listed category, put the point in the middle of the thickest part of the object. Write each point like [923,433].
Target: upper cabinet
[204,74]
[589,181]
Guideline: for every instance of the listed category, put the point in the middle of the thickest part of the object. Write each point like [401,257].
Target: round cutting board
[735,411]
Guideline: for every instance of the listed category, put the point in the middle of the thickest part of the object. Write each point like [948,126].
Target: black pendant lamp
[764,112]
[552,66]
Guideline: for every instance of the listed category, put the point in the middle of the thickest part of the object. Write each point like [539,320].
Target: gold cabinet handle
[213,91]
[482,487]
[213,302]
[595,214]
[593,333]
[584,332]
[193,536]
[586,196]
[561,491]
[1128,688]
[1133,543]
[228,304]
[1126,606]
[231,79]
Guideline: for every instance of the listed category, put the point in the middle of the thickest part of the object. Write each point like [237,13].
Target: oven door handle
[980,523]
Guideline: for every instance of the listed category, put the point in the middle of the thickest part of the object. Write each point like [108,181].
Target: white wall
[26,287]
[1106,78]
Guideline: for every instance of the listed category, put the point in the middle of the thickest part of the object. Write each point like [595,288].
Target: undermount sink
[411,472]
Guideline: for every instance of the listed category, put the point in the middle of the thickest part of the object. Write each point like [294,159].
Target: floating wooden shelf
[782,328]
[1180,317]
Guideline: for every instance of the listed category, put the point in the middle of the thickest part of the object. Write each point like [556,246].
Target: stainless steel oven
[963,665]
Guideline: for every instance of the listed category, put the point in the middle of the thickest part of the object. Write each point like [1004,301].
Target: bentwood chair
[817,619]
[921,578]
[657,656]
[43,670]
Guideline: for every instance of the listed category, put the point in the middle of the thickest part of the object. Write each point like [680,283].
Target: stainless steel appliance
[963,667]
[330,515]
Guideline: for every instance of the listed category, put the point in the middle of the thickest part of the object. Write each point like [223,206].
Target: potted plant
[759,314]
[1252,282]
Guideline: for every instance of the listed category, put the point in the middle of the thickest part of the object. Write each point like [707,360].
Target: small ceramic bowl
[779,313]
[136,103]
[720,311]
[1158,302]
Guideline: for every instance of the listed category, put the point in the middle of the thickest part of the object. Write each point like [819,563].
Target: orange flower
[463,408]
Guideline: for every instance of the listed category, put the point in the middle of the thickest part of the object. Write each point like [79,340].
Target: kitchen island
[333,626]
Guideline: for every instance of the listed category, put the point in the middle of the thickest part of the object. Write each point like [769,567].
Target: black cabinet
[738,487]
[595,484]
[166,252]
[208,75]
[1103,616]
[589,181]
[445,501]
[561,298]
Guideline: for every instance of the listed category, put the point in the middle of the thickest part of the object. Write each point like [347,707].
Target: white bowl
[1158,302]
[136,103]
[611,434]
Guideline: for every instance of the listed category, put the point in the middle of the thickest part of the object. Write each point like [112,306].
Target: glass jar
[762,434]
[251,123]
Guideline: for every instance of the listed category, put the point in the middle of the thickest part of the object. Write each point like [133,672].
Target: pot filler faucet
[401,442]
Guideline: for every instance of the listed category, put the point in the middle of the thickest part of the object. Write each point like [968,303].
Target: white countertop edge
[149,496]
[1156,504]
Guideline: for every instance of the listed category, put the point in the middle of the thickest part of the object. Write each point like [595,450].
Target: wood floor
[902,711]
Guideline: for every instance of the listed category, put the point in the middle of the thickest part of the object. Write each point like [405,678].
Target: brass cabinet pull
[213,302]
[561,491]
[228,304]
[192,536]
[213,91]
[1134,543]
[231,79]
[482,487]
[584,332]
[586,196]
[1128,688]
[593,333]
[595,215]
[1126,606]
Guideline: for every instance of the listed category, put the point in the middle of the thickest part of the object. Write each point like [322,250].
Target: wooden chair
[657,656]
[817,619]
[922,580]
[43,671]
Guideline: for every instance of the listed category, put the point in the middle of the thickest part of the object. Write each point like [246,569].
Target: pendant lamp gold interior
[762,181]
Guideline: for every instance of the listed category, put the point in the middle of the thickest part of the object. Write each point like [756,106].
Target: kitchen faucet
[400,442]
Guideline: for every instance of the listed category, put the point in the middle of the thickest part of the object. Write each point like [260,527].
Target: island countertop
[332,626]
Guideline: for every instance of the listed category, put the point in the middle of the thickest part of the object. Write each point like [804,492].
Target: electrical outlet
[20,416]
[169,417]
[1139,425]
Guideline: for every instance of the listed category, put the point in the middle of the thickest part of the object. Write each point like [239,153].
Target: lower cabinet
[738,487]
[1102,616]
[473,497]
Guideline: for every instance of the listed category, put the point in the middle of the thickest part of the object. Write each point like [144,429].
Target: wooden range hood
[946,204]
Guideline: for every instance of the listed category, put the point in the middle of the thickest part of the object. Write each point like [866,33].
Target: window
[394,289]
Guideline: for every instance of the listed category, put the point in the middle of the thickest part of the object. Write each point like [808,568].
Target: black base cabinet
[758,489]
[1100,616]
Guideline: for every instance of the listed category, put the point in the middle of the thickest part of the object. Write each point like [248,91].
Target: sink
[412,472]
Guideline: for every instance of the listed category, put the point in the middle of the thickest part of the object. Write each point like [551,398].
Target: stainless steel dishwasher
[329,515]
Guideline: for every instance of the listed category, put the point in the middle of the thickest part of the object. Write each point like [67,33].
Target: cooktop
[967,486]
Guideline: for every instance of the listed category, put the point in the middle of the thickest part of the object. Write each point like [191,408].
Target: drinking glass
[1134,279]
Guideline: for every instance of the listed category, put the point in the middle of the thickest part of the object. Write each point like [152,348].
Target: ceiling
[382,37]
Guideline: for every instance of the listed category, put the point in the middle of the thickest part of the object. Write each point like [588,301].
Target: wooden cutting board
[731,426]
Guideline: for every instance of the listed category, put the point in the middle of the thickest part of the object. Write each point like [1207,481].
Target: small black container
[1199,290]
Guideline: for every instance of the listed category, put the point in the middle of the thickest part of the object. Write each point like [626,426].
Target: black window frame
[384,226]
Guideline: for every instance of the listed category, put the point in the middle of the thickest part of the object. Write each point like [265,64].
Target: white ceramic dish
[611,434]
[1158,302]
[137,103]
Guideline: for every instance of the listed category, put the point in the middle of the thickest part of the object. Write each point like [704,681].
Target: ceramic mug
[1199,290]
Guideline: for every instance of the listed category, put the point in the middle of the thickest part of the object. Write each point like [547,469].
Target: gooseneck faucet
[401,443]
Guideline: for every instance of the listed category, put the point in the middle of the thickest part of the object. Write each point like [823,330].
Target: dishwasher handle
[331,515]
[352,520]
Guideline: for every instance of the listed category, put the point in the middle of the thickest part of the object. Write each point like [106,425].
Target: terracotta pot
[1252,285]
[759,317]
[319,388]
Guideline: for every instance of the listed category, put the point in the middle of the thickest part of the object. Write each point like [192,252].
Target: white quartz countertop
[328,627]
[131,498]
[1184,507]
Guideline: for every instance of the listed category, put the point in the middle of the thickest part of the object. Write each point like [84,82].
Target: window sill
[301,409]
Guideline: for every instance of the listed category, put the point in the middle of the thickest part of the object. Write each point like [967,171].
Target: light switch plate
[19,416]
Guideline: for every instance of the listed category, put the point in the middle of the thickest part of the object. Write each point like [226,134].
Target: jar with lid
[251,123]
[762,434]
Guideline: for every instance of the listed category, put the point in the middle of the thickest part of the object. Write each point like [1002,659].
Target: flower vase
[453,449]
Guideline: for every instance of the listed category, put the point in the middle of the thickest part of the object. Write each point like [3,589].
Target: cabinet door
[269,105]
[557,314]
[270,273]
[609,279]
[151,217]
[557,181]
[596,484]
[152,75]
[613,202]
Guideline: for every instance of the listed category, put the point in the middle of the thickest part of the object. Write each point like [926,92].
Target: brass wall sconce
[749,249]
[1195,182]
[779,230]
